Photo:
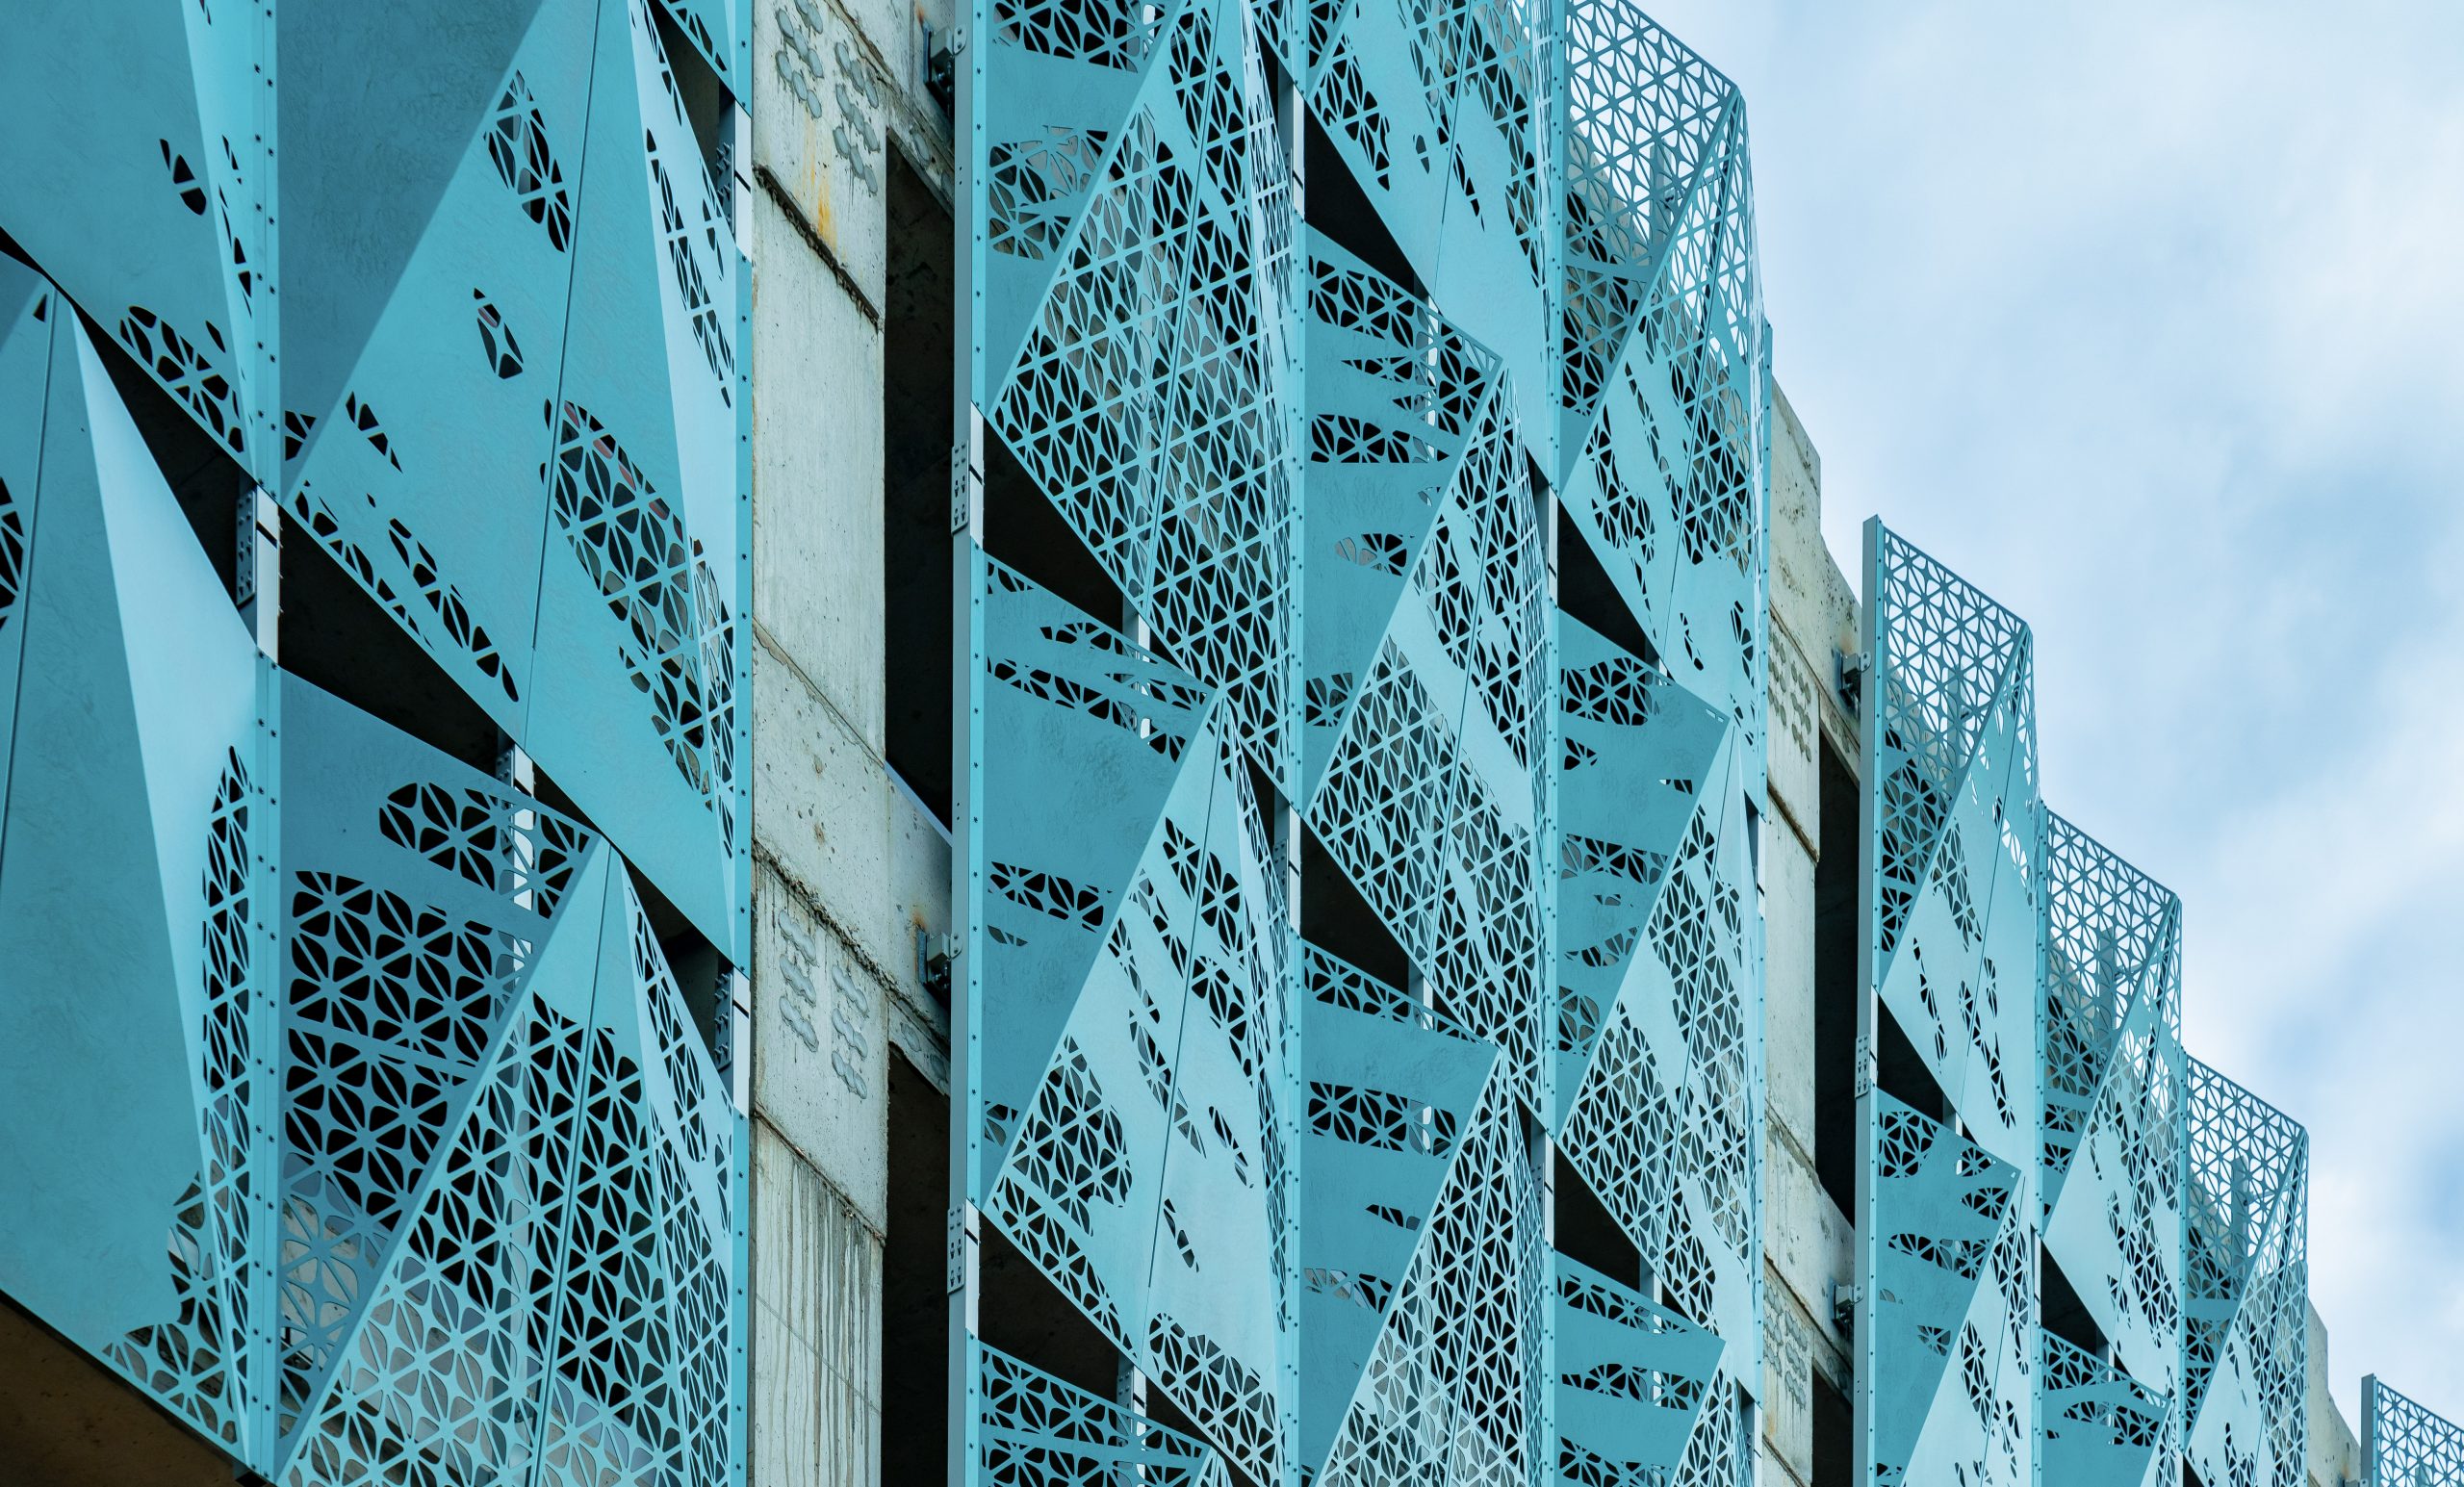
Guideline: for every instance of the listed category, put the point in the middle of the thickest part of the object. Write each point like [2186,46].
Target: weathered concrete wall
[1807,1241]
[848,868]
[2335,1455]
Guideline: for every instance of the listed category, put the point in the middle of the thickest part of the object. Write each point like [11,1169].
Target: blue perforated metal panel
[2099,1424]
[2248,1226]
[508,1202]
[514,415]
[1952,896]
[2116,1125]
[2403,1445]
[1633,1381]
[2172,1202]
[1325,489]
[406,1154]
[137,1077]
[1136,1071]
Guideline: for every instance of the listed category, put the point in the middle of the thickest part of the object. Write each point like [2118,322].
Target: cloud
[2147,320]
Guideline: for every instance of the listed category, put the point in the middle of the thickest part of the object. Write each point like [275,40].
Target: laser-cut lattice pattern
[508,1214]
[418,999]
[1140,338]
[1955,866]
[1038,1431]
[2172,1201]
[376,1030]
[201,1364]
[135,820]
[1375,1200]
[1443,116]
[2115,1101]
[138,177]
[439,507]
[1415,717]
[1137,1083]
[1659,1065]
[1425,645]
[2248,1338]
[2098,1425]
[2403,1445]
[2111,938]
[1952,1235]
[1633,1381]
[542,302]
[1660,403]
[1453,1388]
[660,585]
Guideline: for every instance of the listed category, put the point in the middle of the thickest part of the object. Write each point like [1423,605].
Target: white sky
[2149,320]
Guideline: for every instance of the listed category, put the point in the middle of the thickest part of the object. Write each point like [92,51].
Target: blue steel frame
[424,1162]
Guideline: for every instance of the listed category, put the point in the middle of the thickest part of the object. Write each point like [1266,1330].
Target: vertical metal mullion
[1862,1341]
[970,393]
[738,1001]
[1550,110]
[1285,832]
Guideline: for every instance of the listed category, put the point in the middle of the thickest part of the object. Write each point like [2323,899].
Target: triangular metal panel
[143,186]
[1393,1085]
[135,747]
[1633,1379]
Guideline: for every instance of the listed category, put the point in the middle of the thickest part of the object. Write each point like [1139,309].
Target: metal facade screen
[1318,455]
[354,1110]
[400,1152]
[2028,1112]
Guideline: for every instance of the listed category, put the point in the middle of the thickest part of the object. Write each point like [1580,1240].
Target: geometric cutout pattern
[135,817]
[1661,408]
[1038,1431]
[562,540]
[503,390]
[1954,895]
[1454,1389]
[1146,304]
[508,1211]
[1138,350]
[2403,1445]
[2116,1100]
[1443,116]
[1633,1379]
[2246,1349]
[407,1156]
[2098,1424]
[2172,1201]
[1956,864]
[1950,1336]
[1424,730]
[1372,1187]
[1412,1248]
[1137,1089]
[142,184]
[1659,1012]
